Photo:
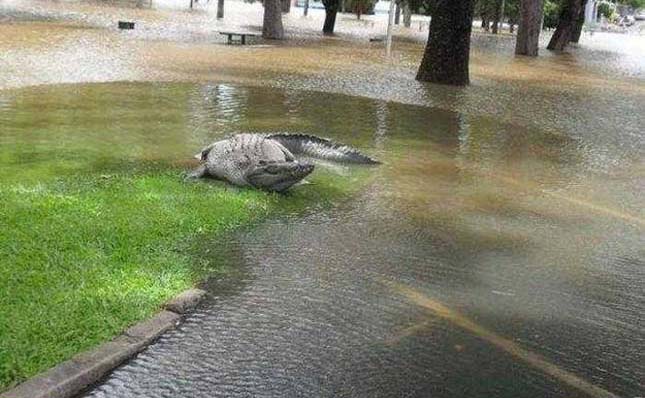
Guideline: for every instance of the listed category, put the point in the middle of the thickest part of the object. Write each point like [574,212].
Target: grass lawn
[83,257]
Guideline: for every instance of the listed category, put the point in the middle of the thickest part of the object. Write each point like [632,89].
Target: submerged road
[357,302]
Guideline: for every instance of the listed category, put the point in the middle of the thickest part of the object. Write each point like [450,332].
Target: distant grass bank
[82,258]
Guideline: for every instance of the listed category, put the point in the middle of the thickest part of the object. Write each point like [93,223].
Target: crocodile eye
[272,169]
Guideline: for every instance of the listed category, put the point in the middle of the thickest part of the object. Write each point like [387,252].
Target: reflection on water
[514,228]
[593,94]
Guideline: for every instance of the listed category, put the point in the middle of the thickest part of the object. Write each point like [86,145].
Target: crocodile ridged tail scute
[321,148]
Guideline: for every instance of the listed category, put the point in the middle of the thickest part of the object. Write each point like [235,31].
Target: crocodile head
[278,176]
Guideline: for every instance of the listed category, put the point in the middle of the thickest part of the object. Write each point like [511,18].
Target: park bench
[126,25]
[242,36]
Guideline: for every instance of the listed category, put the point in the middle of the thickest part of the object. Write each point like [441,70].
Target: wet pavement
[498,251]
[315,316]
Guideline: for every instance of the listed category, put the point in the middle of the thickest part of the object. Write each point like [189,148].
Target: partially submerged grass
[83,257]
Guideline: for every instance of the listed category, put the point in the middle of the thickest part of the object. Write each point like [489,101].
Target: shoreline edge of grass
[86,257]
[69,378]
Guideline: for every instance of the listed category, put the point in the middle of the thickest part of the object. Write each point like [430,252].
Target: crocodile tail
[322,148]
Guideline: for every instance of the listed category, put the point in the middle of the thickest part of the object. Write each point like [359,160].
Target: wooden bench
[126,25]
[241,35]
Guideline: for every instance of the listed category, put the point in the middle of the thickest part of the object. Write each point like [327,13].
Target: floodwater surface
[481,259]
[497,251]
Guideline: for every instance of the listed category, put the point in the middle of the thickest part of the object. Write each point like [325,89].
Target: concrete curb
[71,377]
[186,301]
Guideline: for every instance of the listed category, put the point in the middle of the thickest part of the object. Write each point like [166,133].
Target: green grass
[84,257]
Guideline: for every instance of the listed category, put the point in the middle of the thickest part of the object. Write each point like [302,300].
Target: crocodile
[268,161]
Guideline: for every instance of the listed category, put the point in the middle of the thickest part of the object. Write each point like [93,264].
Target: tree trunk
[306,7]
[577,30]
[496,16]
[501,14]
[407,14]
[447,52]
[528,32]
[272,25]
[285,5]
[220,9]
[397,13]
[566,24]
[485,23]
[331,9]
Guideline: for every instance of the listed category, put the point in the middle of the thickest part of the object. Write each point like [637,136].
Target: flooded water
[477,247]
[498,251]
